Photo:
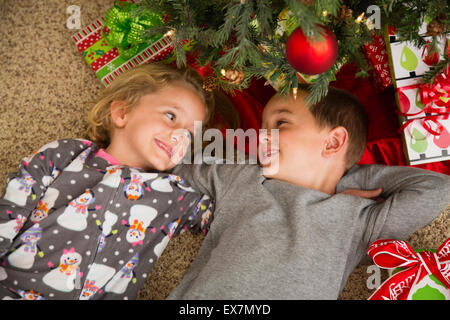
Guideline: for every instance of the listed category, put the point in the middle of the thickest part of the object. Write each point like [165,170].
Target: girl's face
[156,133]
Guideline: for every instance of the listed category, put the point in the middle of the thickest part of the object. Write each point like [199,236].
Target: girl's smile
[165,147]
[153,135]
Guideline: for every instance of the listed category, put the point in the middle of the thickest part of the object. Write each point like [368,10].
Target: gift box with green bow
[115,43]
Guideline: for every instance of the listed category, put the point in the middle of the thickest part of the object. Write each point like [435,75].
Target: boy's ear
[335,142]
[119,112]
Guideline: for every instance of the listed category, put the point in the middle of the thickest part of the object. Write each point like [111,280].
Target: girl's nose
[180,135]
[180,139]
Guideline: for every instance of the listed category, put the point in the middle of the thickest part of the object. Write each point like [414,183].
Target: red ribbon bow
[434,118]
[432,93]
[437,94]
[390,253]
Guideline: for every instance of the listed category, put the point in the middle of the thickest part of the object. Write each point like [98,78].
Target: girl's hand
[368,194]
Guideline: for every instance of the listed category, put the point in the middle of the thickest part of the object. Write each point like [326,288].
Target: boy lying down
[287,231]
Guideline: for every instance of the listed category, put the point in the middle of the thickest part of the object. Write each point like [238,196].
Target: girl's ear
[119,111]
[336,142]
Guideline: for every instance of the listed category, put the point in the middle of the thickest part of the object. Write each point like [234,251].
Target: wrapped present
[423,109]
[422,275]
[377,57]
[114,43]
[426,111]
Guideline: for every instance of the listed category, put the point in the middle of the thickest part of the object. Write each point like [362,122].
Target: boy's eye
[170,115]
[280,122]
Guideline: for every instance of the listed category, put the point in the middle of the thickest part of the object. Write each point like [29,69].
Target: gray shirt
[275,240]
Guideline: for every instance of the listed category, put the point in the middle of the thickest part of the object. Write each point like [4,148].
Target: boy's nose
[264,137]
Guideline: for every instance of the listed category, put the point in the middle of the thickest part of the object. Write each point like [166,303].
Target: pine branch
[224,32]
[264,14]
[306,16]
[330,6]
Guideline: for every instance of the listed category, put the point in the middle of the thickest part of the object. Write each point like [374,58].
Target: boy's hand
[368,194]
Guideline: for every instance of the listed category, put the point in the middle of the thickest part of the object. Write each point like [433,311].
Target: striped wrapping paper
[104,59]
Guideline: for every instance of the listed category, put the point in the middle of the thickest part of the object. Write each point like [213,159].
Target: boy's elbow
[440,184]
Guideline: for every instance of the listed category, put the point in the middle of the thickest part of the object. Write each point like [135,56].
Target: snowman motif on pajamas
[30,295]
[77,164]
[135,189]
[159,248]
[90,217]
[47,180]
[121,279]
[75,215]
[20,188]
[51,145]
[3,274]
[140,218]
[23,257]
[207,213]
[97,277]
[26,295]
[10,229]
[206,216]
[112,176]
[63,277]
[161,185]
[110,220]
[46,203]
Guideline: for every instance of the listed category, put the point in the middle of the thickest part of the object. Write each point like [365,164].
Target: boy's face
[300,141]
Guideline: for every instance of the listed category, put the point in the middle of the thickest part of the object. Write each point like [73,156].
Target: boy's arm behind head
[413,198]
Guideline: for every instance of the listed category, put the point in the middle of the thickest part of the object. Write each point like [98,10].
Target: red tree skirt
[384,144]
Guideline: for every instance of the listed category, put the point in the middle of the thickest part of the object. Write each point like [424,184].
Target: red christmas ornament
[311,57]
[428,56]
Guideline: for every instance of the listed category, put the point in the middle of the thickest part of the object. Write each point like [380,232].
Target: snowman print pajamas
[74,224]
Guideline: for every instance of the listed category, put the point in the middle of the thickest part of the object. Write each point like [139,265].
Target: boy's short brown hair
[341,108]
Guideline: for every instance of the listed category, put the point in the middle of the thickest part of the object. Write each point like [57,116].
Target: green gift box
[111,51]
[428,288]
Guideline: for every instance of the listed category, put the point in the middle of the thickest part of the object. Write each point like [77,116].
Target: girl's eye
[170,115]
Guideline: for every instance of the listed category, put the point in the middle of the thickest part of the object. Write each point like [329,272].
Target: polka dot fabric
[76,226]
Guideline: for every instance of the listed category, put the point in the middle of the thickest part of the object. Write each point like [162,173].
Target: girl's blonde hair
[131,86]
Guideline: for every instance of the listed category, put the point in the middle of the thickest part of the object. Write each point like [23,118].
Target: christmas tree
[289,40]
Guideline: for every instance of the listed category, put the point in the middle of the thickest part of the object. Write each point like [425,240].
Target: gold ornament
[234,77]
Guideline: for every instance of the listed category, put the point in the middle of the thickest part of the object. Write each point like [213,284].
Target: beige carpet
[45,93]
